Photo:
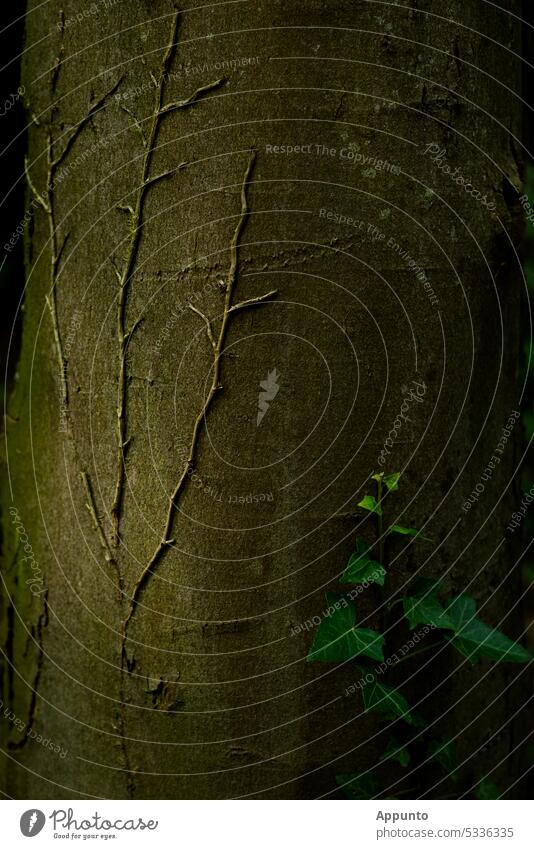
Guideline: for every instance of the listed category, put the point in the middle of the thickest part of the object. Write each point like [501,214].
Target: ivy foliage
[452,621]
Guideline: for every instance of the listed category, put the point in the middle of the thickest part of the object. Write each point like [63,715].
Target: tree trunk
[185,465]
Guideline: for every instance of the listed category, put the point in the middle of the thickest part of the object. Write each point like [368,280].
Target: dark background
[12,146]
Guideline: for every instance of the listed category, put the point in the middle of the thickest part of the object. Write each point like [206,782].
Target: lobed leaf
[425,611]
[411,532]
[370,504]
[338,639]
[474,639]
[423,606]
[392,481]
[361,568]
[386,700]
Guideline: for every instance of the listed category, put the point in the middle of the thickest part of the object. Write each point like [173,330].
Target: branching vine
[97,523]
[56,154]
[136,225]
[217,345]
[54,161]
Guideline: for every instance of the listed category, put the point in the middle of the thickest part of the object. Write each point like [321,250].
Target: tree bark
[177,540]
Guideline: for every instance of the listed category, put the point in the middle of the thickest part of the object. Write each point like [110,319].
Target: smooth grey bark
[169,670]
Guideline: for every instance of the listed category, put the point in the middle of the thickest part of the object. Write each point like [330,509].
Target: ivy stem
[380,523]
[419,651]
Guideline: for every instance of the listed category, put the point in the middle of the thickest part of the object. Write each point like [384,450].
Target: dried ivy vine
[216,342]
[55,159]
[124,276]
[56,154]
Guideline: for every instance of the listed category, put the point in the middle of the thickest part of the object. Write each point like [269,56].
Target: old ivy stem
[129,265]
[46,201]
[53,162]
[124,282]
[217,344]
[51,298]
[97,522]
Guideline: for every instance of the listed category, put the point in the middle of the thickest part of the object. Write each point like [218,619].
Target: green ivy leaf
[478,640]
[424,608]
[386,700]
[487,790]
[392,481]
[425,611]
[462,609]
[410,532]
[395,751]
[361,568]
[474,639]
[338,639]
[370,643]
[443,752]
[370,504]
[358,787]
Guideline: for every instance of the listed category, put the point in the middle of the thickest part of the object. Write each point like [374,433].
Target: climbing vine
[135,212]
[216,342]
[449,621]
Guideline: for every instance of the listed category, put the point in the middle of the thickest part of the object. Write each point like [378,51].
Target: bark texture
[180,542]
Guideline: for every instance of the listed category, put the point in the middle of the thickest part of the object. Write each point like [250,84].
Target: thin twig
[97,522]
[419,651]
[91,506]
[137,124]
[193,98]
[56,254]
[150,181]
[93,109]
[34,191]
[53,163]
[207,322]
[253,301]
[51,299]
